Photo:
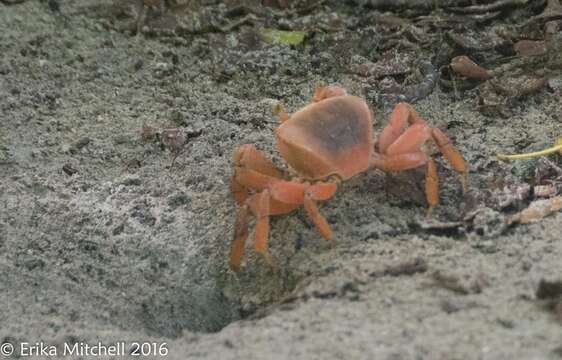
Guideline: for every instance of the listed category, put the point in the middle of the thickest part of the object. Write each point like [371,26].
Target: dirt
[101,239]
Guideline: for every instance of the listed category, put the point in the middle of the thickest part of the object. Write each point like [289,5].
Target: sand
[101,240]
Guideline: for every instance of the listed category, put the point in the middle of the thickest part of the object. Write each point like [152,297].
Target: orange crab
[324,143]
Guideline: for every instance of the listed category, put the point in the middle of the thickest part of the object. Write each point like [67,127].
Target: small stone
[34,263]
[65,148]
[138,64]
[486,246]
[489,224]
[120,139]
[163,69]
[177,200]
[74,148]
[69,169]
[132,180]
[555,83]
[118,229]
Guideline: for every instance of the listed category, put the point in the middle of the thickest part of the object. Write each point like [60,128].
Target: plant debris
[411,267]
[172,139]
[537,210]
[464,66]
[548,175]
[503,77]
[455,305]
[556,148]
[548,179]
[471,285]
[486,8]
[273,36]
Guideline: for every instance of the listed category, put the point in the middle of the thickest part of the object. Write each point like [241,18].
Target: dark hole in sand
[170,311]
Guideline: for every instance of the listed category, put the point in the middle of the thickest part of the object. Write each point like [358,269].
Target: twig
[414,4]
[250,18]
[544,152]
[480,9]
[552,11]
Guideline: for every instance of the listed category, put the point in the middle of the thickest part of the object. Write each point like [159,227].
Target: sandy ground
[129,249]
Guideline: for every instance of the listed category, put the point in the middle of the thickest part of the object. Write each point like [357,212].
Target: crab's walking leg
[248,156]
[317,218]
[315,193]
[248,159]
[402,115]
[413,160]
[411,140]
[452,155]
[259,204]
[261,210]
[240,236]
[399,162]
[431,185]
[239,191]
[251,179]
[410,161]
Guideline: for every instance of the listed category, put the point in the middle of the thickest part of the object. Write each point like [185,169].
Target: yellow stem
[531,155]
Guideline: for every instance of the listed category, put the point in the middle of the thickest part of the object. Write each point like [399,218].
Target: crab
[324,143]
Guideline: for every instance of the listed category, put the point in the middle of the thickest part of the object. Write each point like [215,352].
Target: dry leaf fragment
[464,66]
[537,210]
[545,191]
[530,48]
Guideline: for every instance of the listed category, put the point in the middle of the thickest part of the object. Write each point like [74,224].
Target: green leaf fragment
[273,36]
[551,150]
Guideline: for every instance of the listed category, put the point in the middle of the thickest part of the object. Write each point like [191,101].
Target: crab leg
[431,185]
[291,193]
[314,193]
[317,218]
[249,157]
[250,165]
[239,191]
[322,191]
[399,162]
[402,115]
[240,236]
[452,155]
[259,205]
[252,179]
[261,210]
[285,196]
[411,140]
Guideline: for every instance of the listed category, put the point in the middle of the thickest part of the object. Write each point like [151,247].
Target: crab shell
[331,137]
